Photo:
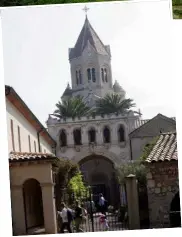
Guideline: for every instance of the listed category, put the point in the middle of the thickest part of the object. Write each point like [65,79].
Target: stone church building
[98,144]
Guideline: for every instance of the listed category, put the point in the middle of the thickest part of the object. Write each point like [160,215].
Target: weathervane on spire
[85,9]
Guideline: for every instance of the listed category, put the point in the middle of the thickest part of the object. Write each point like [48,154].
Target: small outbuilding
[32,193]
[163,183]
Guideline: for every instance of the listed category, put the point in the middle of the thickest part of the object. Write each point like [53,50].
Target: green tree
[113,103]
[135,167]
[71,108]
[77,186]
[64,171]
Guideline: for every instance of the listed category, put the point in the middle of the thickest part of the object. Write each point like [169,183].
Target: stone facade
[163,184]
[98,158]
[115,150]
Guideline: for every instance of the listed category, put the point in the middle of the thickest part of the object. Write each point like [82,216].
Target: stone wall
[162,184]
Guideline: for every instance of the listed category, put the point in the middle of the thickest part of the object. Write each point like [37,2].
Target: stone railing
[52,120]
[135,120]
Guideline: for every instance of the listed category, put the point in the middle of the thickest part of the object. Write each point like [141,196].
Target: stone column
[84,136]
[70,139]
[132,200]
[99,136]
[49,208]
[114,134]
[18,210]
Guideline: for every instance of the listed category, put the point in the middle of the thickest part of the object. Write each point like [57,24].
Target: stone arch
[107,154]
[175,214]
[99,172]
[33,204]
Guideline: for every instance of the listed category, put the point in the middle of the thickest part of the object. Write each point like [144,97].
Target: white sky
[36,42]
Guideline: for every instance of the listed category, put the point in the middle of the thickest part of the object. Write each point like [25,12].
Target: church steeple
[88,35]
[90,64]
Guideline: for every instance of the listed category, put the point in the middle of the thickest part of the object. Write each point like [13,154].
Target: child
[104,222]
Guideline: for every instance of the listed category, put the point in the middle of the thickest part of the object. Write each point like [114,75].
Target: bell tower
[90,63]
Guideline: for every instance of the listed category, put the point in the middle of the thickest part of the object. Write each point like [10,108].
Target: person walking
[67,217]
[102,204]
[104,222]
[78,217]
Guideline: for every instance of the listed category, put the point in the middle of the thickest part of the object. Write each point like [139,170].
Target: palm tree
[71,108]
[113,103]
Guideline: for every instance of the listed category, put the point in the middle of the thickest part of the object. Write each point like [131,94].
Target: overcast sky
[36,42]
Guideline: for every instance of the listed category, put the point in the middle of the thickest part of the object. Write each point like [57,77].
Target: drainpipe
[38,138]
[131,154]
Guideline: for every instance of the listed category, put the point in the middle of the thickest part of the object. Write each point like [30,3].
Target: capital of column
[15,186]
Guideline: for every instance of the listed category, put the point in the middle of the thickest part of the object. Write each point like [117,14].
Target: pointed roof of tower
[68,91]
[88,35]
[117,88]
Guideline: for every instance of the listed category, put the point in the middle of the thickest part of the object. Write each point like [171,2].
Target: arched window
[102,74]
[77,136]
[105,74]
[63,138]
[80,76]
[89,74]
[93,75]
[77,78]
[92,135]
[107,135]
[121,133]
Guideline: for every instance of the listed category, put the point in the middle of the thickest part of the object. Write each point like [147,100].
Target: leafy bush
[77,187]
[69,183]
[177,2]
[136,168]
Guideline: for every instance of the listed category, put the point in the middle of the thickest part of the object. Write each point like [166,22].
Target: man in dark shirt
[78,217]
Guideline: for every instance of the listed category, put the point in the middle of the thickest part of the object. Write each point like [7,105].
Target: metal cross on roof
[85,9]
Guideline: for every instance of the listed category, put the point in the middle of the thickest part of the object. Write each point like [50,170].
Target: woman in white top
[66,220]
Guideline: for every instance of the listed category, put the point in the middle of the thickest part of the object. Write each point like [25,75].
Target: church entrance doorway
[99,173]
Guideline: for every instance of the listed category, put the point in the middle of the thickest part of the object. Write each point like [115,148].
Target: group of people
[78,215]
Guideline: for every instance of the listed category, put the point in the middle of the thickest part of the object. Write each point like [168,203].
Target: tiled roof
[25,156]
[87,34]
[165,148]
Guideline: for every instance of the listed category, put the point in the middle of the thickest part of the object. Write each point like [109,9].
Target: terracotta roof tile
[25,156]
[165,148]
